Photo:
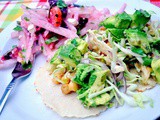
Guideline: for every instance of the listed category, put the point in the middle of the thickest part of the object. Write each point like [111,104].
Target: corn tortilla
[64,105]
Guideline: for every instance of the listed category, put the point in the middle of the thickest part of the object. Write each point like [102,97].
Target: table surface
[10,10]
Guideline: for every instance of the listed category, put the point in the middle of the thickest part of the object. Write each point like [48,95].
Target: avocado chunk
[121,21]
[70,54]
[138,38]
[109,22]
[156,68]
[116,33]
[140,18]
[83,74]
[101,99]
[99,79]
[96,83]
[55,59]
[81,45]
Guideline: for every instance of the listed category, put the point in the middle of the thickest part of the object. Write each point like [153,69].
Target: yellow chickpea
[59,73]
[65,79]
[65,89]
[73,86]
[55,81]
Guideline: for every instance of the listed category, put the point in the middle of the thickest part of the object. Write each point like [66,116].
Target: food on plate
[64,105]
[92,64]
[108,66]
[45,29]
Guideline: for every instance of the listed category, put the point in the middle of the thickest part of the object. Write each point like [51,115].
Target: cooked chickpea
[73,86]
[55,81]
[59,73]
[65,89]
[65,79]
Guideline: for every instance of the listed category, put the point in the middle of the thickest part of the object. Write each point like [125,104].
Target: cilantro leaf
[53,39]
[27,65]
[23,50]
[42,48]
[74,42]
[26,18]
[18,28]
[61,4]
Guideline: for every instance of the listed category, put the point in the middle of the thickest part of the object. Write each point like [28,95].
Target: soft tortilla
[64,105]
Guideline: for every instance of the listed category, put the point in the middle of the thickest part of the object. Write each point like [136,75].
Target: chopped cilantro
[53,39]
[27,65]
[23,50]
[61,4]
[42,48]
[18,28]
[26,18]
[74,42]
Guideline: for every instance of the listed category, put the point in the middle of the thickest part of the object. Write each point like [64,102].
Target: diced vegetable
[140,18]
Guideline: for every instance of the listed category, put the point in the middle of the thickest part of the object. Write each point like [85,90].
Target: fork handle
[6,94]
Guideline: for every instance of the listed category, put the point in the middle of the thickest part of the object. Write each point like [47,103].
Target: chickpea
[55,81]
[73,86]
[65,79]
[65,89]
[59,73]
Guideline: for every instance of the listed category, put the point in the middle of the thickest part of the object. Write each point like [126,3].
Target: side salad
[113,64]
[47,28]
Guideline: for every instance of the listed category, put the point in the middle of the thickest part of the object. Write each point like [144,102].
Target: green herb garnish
[26,18]
[61,4]
[53,39]
[23,50]
[18,28]
[27,65]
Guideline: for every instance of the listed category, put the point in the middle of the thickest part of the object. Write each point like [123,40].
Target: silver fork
[18,72]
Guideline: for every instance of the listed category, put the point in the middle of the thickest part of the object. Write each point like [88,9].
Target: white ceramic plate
[26,104]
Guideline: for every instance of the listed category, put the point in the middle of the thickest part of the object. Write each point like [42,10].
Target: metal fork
[18,72]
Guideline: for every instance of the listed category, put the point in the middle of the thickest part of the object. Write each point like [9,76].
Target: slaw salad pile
[47,28]
[106,61]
